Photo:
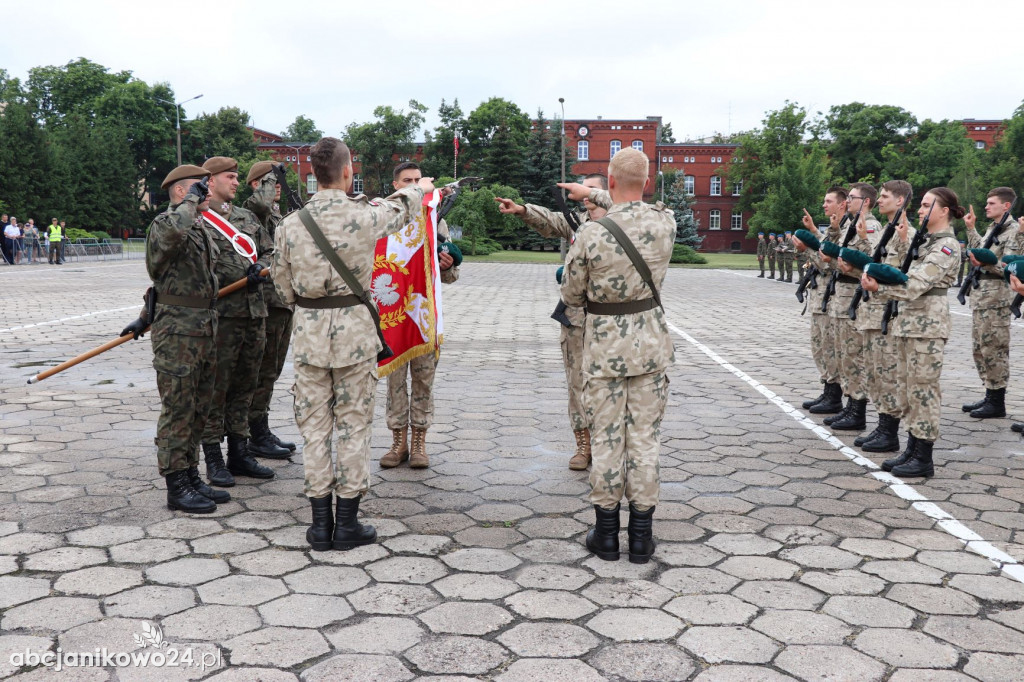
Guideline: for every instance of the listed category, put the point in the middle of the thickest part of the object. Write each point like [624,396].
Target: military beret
[984,256]
[857,259]
[220,164]
[885,274]
[1016,268]
[830,249]
[760,234]
[1010,258]
[183,173]
[808,239]
[788,233]
[258,170]
[558,273]
[452,250]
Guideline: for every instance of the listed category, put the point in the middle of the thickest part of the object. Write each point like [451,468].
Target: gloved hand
[279,173]
[254,276]
[200,189]
[137,328]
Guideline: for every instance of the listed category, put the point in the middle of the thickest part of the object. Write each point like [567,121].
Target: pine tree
[503,160]
[681,204]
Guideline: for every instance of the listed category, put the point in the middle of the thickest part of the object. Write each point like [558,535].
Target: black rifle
[449,201]
[809,280]
[573,220]
[973,277]
[830,288]
[879,254]
[291,196]
[920,237]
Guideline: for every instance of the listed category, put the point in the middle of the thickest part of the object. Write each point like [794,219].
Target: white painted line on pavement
[67,319]
[972,541]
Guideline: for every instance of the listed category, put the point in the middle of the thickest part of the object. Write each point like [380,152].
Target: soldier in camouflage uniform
[963,264]
[626,353]
[786,252]
[551,224]
[921,329]
[762,251]
[416,409]
[241,330]
[772,253]
[801,258]
[180,259]
[265,181]
[990,305]
[336,345]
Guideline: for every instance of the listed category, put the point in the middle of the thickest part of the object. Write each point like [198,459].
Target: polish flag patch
[946,250]
[871,230]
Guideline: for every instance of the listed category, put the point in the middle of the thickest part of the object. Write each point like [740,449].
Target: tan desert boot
[581,460]
[399,451]
[418,451]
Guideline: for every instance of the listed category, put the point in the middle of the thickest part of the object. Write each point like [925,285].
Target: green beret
[984,256]
[1010,258]
[808,239]
[1016,268]
[258,170]
[830,249]
[452,250]
[558,273]
[220,164]
[184,172]
[885,274]
[857,259]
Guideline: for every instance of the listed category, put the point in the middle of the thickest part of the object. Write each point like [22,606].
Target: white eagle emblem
[383,290]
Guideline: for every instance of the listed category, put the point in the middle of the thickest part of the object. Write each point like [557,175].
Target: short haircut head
[629,168]
[898,188]
[1005,195]
[329,157]
[599,176]
[407,165]
[840,192]
[866,190]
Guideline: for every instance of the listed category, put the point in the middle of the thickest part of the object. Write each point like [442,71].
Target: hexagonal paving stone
[481,560]
[621,570]
[556,604]
[305,611]
[188,571]
[98,580]
[406,569]
[20,590]
[475,586]
[549,670]
[989,587]
[934,600]
[743,543]
[241,590]
[51,613]
[333,580]
[636,662]
[553,577]
[758,568]
[428,545]
[228,543]
[801,627]
[955,562]
[149,601]
[551,551]
[214,623]
[697,581]
[676,554]
[632,593]
[975,635]
[105,536]
[466,618]
[546,527]
[282,647]
[391,598]
[843,582]
[272,562]
[357,668]
[353,557]
[454,654]
[869,611]
[819,662]
[906,648]
[148,551]
[904,572]
[499,512]
[777,594]
[184,528]
[113,634]
[728,644]
[712,609]
[632,625]
[814,556]
[993,667]
[63,559]
[379,635]
[559,640]
[10,644]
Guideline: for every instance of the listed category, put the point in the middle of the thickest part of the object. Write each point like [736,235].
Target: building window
[614,148]
[638,145]
[979,145]
[716,186]
[310,183]
[737,188]
[737,221]
[357,184]
[688,184]
[715,219]
[736,246]
[583,150]
[670,159]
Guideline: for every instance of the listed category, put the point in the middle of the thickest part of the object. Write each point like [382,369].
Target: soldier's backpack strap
[634,256]
[339,266]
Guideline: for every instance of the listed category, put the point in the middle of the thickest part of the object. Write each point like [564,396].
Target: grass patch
[727,261]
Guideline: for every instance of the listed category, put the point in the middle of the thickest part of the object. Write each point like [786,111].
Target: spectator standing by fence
[3,239]
[64,240]
[12,237]
[55,236]
[30,239]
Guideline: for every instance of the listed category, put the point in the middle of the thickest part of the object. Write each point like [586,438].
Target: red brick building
[984,133]
[294,155]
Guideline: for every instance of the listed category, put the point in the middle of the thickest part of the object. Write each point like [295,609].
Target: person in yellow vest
[56,235]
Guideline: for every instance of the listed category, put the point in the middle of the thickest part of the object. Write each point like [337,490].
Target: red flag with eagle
[406,286]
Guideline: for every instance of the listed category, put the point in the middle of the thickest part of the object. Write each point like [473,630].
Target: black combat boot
[971,407]
[761,275]
[603,538]
[218,496]
[855,420]
[904,457]
[887,435]
[319,535]
[1017,427]
[641,540]
[831,403]
[920,463]
[349,533]
[241,463]
[183,497]
[828,421]
[215,469]
[994,405]
[262,443]
[772,276]
[286,444]
[860,440]
[808,404]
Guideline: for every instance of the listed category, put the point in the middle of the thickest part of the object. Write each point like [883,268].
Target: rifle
[449,201]
[830,288]
[920,237]
[291,196]
[809,280]
[973,277]
[573,220]
[880,252]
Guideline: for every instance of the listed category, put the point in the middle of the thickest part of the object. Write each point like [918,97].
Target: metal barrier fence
[83,250]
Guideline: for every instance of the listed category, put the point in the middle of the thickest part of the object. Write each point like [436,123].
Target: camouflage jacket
[762,249]
[232,267]
[336,337]
[871,311]
[840,303]
[597,269]
[266,209]
[992,291]
[923,315]
[181,259]
[773,249]
[786,250]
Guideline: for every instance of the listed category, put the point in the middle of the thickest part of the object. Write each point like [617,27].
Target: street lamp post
[661,177]
[298,170]
[564,246]
[177,118]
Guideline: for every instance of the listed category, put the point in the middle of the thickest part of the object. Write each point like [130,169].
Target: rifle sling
[634,257]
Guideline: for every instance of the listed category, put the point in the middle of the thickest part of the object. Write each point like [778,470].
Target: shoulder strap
[634,256]
[339,265]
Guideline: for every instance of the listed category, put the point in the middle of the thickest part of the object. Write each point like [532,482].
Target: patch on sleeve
[871,230]
[946,250]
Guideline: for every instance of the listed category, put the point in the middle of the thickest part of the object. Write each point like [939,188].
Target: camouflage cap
[984,256]
[830,249]
[885,274]
[808,239]
[857,259]
[258,170]
[183,173]
[220,164]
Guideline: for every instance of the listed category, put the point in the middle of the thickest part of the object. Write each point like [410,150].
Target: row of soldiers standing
[779,248]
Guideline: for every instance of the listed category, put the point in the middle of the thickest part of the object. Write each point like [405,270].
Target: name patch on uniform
[946,250]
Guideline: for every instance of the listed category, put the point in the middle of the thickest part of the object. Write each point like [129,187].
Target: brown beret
[183,173]
[220,164]
[258,170]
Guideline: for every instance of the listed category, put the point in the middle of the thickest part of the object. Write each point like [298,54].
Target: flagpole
[455,164]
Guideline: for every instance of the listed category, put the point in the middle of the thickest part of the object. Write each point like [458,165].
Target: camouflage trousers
[823,346]
[760,262]
[625,416]
[419,410]
[572,358]
[990,334]
[849,345]
[279,334]
[771,266]
[240,343]
[185,374]
[341,398]
[786,267]
[881,373]
[920,395]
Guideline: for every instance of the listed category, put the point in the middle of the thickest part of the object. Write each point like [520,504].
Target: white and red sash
[242,243]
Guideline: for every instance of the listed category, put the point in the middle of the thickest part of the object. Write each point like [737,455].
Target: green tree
[439,152]
[302,129]
[476,212]
[798,182]
[28,182]
[1004,163]
[667,136]
[542,167]
[503,159]
[682,205]
[932,157]
[856,134]
[761,151]
[75,88]
[377,143]
[492,118]
[225,133]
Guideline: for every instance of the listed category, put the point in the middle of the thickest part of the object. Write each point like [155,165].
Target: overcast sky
[705,67]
